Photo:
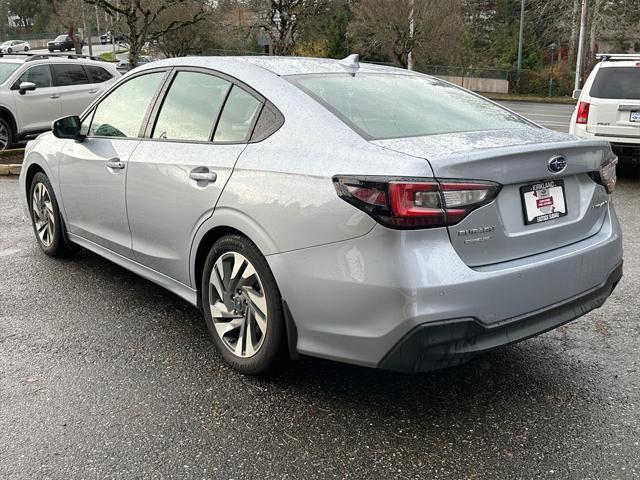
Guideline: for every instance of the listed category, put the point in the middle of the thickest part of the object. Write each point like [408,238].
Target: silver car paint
[353,287]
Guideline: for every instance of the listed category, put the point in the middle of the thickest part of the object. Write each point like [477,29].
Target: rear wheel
[242,306]
[45,216]
[26,49]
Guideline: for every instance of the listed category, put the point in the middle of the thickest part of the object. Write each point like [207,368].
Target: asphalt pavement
[551,115]
[106,375]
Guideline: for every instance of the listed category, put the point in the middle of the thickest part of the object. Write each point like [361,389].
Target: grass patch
[514,97]
[110,57]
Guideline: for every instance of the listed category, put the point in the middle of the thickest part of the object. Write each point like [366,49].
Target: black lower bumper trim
[445,344]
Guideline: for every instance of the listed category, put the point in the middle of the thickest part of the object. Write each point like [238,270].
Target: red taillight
[607,176]
[415,203]
[583,113]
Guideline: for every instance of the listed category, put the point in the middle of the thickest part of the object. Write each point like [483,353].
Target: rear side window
[621,83]
[121,113]
[66,75]
[98,74]
[191,107]
[380,106]
[40,75]
[237,117]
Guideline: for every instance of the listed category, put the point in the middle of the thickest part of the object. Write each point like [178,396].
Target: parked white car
[11,46]
[36,89]
[609,104]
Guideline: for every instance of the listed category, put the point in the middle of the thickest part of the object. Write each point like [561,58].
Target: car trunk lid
[517,159]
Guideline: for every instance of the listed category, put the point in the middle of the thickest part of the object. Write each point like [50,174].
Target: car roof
[37,59]
[281,66]
[621,63]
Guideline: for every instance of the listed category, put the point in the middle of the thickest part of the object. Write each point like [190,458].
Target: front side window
[71,74]
[40,75]
[619,83]
[191,107]
[237,116]
[6,69]
[62,38]
[121,113]
[382,106]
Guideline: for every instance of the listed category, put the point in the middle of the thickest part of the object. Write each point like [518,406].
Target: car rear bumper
[629,140]
[445,344]
[355,300]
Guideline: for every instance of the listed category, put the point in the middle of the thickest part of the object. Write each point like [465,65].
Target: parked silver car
[349,211]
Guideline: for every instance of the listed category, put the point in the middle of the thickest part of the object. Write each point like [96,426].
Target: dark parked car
[63,42]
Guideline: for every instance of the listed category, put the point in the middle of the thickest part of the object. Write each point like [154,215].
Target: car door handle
[115,163]
[54,96]
[204,176]
[93,91]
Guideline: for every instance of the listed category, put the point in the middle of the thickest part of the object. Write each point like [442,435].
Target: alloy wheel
[42,211]
[238,304]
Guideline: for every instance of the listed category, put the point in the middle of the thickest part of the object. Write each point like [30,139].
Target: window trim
[90,111]
[153,118]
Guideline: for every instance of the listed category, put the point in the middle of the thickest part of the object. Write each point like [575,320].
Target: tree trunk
[575,27]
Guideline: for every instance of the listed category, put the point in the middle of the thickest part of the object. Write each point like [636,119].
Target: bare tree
[281,20]
[149,20]
[384,26]
[66,13]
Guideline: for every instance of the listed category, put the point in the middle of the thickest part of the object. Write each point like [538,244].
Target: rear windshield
[380,106]
[621,83]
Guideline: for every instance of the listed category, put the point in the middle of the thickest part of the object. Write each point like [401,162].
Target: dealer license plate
[543,201]
[635,117]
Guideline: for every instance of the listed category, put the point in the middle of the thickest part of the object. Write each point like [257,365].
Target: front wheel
[46,219]
[242,306]
[6,135]
[26,49]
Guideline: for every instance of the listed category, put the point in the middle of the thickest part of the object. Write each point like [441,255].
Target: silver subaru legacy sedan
[335,209]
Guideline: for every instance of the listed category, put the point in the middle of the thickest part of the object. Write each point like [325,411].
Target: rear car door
[93,172]
[38,108]
[76,91]
[615,102]
[177,174]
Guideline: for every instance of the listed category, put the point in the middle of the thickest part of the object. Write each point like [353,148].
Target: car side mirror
[576,94]
[68,127]
[26,87]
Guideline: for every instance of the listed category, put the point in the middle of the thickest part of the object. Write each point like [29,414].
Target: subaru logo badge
[557,164]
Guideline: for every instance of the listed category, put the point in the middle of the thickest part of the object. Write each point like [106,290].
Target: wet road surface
[106,375]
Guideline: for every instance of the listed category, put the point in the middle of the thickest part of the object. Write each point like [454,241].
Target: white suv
[609,105]
[37,89]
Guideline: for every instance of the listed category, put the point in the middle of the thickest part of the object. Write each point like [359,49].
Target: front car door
[38,108]
[76,91]
[93,172]
[177,174]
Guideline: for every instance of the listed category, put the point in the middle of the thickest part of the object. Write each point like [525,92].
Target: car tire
[6,135]
[46,220]
[26,49]
[50,50]
[247,322]
[9,50]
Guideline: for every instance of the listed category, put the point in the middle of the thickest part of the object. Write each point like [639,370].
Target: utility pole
[520,42]
[583,24]
[410,61]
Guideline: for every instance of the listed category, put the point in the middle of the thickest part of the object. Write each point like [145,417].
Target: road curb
[11,169]
[11,161]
